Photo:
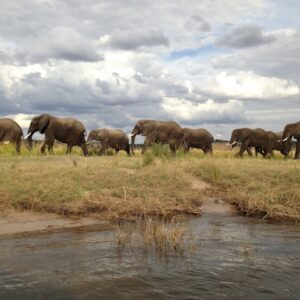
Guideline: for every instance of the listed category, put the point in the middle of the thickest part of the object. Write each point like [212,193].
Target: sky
[210,64]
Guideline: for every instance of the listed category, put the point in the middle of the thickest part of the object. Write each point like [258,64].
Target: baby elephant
[110,138]
[198,138]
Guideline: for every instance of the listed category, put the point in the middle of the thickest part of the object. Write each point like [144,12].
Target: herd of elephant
[72,132]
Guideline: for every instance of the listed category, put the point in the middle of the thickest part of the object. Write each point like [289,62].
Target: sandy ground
[15,222]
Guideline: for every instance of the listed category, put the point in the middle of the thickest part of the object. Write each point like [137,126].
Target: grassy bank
[269,188]
[154,185]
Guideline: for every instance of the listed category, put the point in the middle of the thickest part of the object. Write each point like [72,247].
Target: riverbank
[155,185]
[20,222]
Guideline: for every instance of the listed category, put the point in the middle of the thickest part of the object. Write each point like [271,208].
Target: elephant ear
[146,127]
[43,123]
[104,134]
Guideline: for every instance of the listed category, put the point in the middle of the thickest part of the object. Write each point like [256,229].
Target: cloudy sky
[211,63]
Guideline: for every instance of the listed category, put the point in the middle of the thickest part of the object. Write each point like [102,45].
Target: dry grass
[154,236]
[117,187]
[156,185]
[260,187]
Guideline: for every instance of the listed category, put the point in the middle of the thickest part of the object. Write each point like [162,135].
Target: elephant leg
[147,143]
[210,149]
[18,147]
[172,148]
[84,149]
[127,149]
[186,147]
[297,149]
[102,150]
[244,147]
[50,143]
[43,148]
[249,151]
[50,147]
[268,152]
[69,148]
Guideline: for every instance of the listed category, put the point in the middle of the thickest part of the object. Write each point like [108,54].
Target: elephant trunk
[132,142]
[28,138]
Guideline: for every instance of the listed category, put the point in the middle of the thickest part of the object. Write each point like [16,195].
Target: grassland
[155,185]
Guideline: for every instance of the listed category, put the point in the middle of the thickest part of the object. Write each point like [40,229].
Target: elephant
[164,132]
[291,130]
[66,130]
[113,138]
[198,138]
[258,138]
[10,131]
[276,145]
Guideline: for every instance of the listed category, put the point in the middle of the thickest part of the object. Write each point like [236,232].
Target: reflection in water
[235,257]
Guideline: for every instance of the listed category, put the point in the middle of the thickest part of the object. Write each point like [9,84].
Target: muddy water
[235,258]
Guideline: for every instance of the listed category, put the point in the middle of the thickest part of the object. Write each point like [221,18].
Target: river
[234,258]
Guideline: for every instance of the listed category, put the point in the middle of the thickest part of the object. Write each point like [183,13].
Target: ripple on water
[235,258]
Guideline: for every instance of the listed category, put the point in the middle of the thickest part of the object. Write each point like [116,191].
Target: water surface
[235,258]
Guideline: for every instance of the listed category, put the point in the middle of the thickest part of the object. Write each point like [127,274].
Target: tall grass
[157,183]
[156,236]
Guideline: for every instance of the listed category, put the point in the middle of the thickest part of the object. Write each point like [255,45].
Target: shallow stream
[235,258]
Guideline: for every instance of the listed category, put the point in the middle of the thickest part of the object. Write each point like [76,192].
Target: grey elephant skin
[66,130]
[258,138]
[110,138]
[198,138]
[277,145]
[292,130]
[163,132]
[282,147]
[12,132]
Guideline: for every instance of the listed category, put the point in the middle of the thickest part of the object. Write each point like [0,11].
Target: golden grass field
[155,185]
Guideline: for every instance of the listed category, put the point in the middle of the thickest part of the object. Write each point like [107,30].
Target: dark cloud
[244,37]
[282,60]
[132,40]
[198,23]
[71,58]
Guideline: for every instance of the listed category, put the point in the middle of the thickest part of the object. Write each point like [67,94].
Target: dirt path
[15,222]
[211,205]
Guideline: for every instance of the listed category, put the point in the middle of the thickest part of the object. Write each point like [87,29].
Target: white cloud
[22,119]
[210,111]
[250,85]
[72,59]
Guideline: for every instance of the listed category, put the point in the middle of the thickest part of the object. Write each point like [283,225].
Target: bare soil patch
[15,222]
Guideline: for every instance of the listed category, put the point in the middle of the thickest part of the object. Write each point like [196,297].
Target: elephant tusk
[92,141]
[233,143]
[27,136]
[278,141]
[285,139]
